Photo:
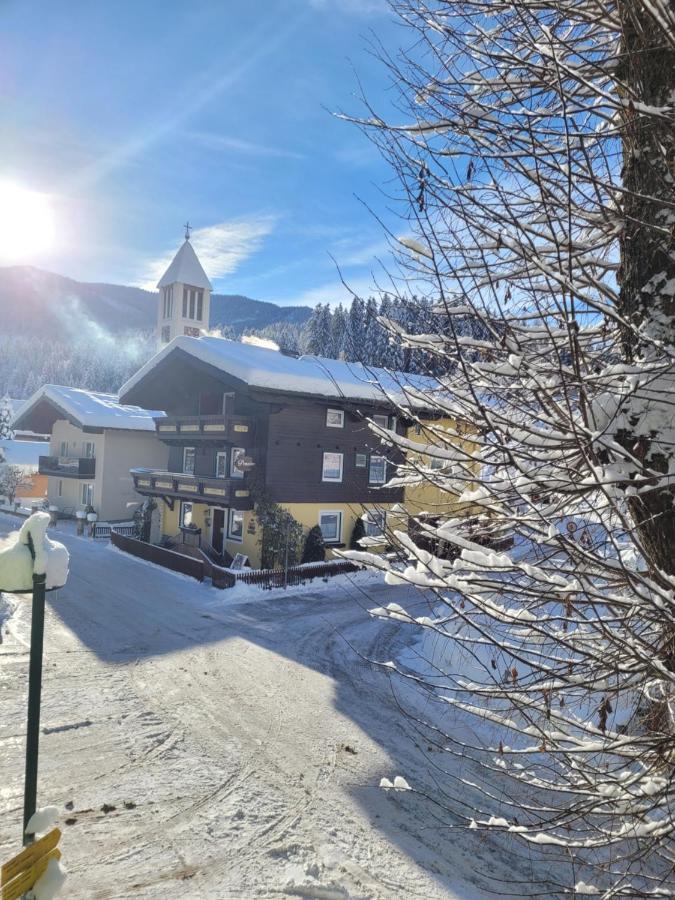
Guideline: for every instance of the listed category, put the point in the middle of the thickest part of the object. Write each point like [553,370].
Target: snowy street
[218,747]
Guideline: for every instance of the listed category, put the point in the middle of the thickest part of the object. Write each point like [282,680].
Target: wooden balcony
[230,429]
[67,466]
[232,492]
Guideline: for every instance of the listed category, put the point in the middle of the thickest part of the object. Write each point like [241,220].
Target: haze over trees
[532,145]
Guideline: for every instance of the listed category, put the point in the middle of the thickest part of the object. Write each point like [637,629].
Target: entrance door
[218,529]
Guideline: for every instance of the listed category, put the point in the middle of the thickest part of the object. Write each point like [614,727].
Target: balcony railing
[198,488]
[236,430]
[67,466]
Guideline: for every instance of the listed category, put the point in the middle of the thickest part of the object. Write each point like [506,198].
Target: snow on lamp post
[32,563]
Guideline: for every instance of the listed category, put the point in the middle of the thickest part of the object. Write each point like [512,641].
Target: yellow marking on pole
[29,855]
[24,882]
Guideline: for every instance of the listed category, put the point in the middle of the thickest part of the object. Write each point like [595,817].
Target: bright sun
[26,223]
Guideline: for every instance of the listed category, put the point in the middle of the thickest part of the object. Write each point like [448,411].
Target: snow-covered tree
[534,152]
[320,332]
[6,414]
[10,479]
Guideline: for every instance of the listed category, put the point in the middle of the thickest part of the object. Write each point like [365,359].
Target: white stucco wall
[116,452]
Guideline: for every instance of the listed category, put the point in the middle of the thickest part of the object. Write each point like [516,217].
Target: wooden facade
[285,439]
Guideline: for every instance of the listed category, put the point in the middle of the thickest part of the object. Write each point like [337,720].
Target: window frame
[194,460]
[340,519]
[238,539]
[373,456]
[63,449]
[221,454]
[368,525]
[341,414]
[323,467]
[361,465]
[234,472]
[60,490]
[181,513]
[377,416]
[87,493]
[85,449]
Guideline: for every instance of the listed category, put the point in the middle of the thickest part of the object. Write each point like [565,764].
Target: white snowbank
[42,819]
[49,884]
[16,560]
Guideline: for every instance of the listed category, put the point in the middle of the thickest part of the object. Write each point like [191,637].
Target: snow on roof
[185,268]
[271,370]
[23,453]
[88,408]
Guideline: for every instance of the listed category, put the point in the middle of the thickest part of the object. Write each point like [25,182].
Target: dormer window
[193,303]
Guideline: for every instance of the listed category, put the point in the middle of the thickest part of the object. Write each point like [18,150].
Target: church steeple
[184,296]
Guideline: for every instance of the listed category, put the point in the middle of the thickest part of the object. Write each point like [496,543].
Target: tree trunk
[647,69]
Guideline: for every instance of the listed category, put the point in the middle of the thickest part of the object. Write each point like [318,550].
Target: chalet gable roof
[271,370]
[84,409]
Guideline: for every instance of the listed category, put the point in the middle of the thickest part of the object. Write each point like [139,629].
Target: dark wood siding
[298,437]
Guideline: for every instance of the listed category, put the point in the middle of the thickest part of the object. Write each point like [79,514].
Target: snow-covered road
[236,746]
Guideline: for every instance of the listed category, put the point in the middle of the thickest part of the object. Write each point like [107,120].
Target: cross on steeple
[188,229]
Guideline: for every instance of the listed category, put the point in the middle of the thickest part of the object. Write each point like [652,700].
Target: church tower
[184,296]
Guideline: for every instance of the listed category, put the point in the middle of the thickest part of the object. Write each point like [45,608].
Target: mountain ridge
[46,304]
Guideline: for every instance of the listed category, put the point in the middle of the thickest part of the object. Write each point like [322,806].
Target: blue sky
[133,116]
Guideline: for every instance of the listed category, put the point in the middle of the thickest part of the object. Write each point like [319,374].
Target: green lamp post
[31,563]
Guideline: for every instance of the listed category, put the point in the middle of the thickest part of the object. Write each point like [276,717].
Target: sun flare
[26,223]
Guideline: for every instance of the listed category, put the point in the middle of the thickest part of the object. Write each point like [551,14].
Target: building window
[221,464]
[168,301]
[332,467]
[335,418]
[382,421]
[375,522]
[60,488]
[236,463]
[188,460]
[87,495]
[191,332]
[330,523]
[64,448]
[200,305]
[166,334]
[361,460]
[185,514]
[89,449]
[377,473]
[235,526]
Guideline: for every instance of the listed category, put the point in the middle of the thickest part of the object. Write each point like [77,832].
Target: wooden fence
[267,579]
[187,565]
[103,530]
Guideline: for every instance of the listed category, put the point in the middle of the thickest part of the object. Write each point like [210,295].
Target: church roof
[185,268]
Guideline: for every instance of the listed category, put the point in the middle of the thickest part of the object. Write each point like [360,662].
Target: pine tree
[356,331]
[6,415]
[319,331]
[315,548]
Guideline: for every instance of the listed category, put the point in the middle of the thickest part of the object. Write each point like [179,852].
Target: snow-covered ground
[230,744]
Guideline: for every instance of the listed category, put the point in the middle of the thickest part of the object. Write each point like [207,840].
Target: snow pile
[49,884]
[42,819]
[17,564]
[398,784]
